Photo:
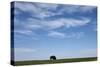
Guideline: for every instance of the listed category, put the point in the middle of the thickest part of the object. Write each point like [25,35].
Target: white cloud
[32,23]
[34,26]
[76,9]
[75,35]
[26,7]
[76,22]
[47,6]
[25,32]
[57,23]
[56,34]
[39,10]
[43,10]
[65,22]
[23,50]
[53,24]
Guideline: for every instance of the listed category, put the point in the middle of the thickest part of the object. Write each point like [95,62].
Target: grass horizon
[67,60]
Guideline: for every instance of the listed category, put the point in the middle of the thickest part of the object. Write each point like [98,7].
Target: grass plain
[35,62]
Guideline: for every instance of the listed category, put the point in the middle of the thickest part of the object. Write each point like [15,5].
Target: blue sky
[44,29]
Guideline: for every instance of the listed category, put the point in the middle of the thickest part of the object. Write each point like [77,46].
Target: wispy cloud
[40,11]
[56,34]
[75,35]
[57,23]
[76,9]
[25,32]
[66,22]
[33,24]
[43,10]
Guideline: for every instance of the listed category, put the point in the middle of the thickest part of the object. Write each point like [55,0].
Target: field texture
[35,62]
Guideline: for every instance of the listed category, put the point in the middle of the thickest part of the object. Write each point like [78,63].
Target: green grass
[34,62]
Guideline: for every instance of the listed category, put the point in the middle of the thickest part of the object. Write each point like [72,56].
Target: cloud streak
[75,35]
[40,11]
[43,10]
[25,32]
[66,22]
[56,34]
[70,9]
[56,24]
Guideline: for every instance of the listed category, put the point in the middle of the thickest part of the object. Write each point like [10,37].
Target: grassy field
[34,62]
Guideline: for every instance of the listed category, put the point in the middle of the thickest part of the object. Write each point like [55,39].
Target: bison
[52,57]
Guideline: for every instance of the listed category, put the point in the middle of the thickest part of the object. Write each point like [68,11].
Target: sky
[45,29]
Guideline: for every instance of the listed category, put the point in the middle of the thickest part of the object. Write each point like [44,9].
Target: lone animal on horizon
[52,57]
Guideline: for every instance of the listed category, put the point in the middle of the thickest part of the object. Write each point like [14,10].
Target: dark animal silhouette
[52,57]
